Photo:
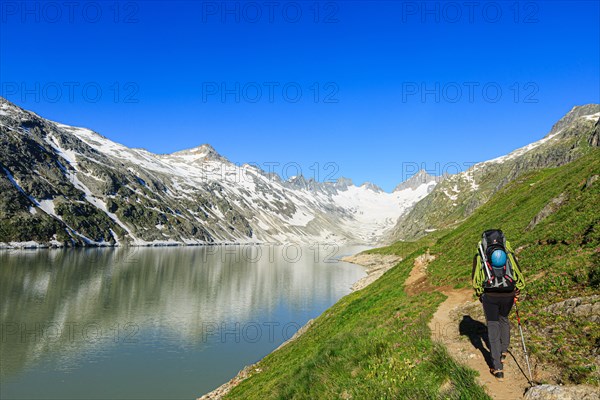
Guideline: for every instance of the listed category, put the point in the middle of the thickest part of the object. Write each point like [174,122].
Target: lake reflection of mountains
[58,302]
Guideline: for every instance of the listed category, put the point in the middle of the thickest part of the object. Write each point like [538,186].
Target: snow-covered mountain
[64,185]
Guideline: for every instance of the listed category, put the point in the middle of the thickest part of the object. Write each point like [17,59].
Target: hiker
[497,280]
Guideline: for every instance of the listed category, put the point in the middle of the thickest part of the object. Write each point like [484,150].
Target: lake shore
[376,265]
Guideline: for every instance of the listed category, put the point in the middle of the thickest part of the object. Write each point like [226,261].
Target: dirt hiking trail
[465,339]
[459,324]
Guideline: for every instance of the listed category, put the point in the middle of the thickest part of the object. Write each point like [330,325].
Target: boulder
[556,392]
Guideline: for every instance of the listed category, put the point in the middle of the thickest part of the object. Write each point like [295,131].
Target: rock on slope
[555,392]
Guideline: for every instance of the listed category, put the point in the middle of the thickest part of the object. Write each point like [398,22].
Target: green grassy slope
[375,343]
[560,257]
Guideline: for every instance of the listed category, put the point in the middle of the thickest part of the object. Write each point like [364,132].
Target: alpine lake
[155,322]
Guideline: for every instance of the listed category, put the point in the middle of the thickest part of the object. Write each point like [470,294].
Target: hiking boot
[499,374]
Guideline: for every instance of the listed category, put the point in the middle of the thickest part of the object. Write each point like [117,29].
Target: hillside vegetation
[375,343]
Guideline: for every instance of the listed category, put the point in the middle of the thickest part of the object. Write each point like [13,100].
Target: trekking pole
[523,341]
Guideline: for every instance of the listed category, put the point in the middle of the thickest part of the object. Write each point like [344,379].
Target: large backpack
[498,279]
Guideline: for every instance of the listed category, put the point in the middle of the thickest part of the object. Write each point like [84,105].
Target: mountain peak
[372,186]
[575,113]
[203,147]
[418,179]
[11,110]
[343,183]
[299,182]
[202,152]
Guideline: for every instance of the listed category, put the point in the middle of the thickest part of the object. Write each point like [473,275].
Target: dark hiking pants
[496,307]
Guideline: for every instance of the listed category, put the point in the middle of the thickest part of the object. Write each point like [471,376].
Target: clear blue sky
[396,82]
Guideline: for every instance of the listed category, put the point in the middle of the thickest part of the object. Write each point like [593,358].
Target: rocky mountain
[418,179]
[66,186]
[458,196]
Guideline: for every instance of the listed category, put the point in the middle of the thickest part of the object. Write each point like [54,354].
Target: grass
[375,343]
[560,259]
[404,249]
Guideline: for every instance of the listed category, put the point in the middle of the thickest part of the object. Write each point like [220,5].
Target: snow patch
[452,197]
[522,150]
[48,207]
[468,175]
[300,218]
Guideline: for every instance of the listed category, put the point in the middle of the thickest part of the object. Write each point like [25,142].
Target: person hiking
[498,281]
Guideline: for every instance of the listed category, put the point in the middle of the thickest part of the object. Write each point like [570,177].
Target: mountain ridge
[459,195]
[70,186]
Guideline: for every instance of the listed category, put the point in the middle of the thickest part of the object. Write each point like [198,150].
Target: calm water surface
[154,323]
